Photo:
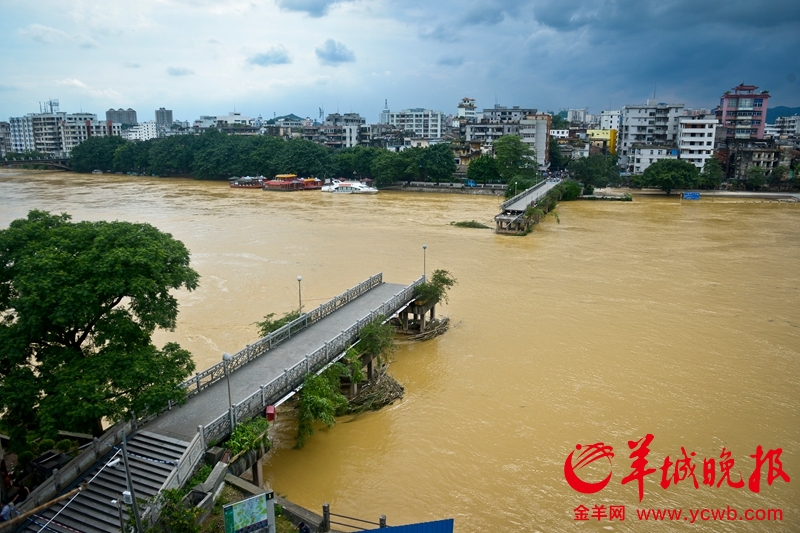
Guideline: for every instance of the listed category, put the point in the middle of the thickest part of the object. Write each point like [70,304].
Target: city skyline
[200,57]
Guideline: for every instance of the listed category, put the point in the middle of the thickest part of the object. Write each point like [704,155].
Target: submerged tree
[79,303]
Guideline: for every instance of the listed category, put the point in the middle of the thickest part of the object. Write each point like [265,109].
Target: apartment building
[122,116]
[697,138]
[423,123]
[5,138]
[644,155]
[652,123]
[57,133]
[609,120]
[534,130]
[743,112]
[143,132]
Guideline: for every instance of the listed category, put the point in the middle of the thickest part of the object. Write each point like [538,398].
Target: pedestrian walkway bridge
[512,218]
[169,445]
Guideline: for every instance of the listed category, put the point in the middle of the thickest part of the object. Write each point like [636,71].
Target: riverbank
[764,195]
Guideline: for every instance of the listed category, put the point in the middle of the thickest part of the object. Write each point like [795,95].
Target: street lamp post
[299,294]
[226,357]
[134,503]
[424,266]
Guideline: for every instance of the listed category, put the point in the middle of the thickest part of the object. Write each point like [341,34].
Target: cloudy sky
[294,56]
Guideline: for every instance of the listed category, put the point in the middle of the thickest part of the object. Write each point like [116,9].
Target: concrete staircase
[91,511]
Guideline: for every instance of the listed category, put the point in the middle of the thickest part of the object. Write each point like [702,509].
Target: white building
[788,125]
[232,118]
[644,155]
[577,115]
[534,130]
[57,133]
[559,134]
[466,110]
[696,139]
[142,132]
[21,134]
[609,120]
[504,115]
[488,133]
[424,123]
[644,124]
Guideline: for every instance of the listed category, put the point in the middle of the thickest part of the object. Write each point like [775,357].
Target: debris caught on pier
[383,390]
[433,328]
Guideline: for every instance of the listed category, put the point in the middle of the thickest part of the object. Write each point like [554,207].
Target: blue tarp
[439,526]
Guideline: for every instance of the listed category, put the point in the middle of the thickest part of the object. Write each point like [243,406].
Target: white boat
[349,187]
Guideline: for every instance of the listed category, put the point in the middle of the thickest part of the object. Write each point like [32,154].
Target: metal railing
[211,375]
[270,393]
[177,478]
[518,197]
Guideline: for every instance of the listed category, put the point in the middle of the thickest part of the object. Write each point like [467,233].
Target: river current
[624,319]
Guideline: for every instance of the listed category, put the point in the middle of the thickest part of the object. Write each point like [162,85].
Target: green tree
[79,303]
[514,158]
[95,153]
[712,174]
[572,189]
[559,123]
[779,177]
[669,174]
[483,169]
[755,178]
[387,168]
[437,163]
[594,171]
[557,159]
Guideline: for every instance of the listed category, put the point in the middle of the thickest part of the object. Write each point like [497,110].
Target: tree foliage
[483,169]
[270,324]
[755,178]
[95,153]
[514,158]
[712,174]
[670,174]
[79,303]
[557,159]
[435,289]
[320,400]
[594,171]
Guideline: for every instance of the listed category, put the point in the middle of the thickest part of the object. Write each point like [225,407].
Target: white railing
[177,478]
[521,195]
[293,377]
[207,377]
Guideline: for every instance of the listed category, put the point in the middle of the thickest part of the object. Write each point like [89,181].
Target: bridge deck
[532,197]
[181,422]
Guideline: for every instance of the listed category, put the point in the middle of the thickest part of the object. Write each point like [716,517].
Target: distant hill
[781,111]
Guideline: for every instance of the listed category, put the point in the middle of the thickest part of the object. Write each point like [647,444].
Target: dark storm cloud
[313,8]
[490,13]
[334,53]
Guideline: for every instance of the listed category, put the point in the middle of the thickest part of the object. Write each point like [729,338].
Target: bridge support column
[370,369]
[405,320]
[258,473]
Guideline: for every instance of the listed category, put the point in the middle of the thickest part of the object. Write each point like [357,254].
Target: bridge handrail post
[263,396]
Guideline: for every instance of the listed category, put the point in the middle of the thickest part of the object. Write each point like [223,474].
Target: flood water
[622,320]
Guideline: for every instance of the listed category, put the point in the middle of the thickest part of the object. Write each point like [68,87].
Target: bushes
[436,289]
[268,325]
[249,436]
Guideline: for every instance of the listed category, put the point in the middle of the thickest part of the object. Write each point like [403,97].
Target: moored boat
[349,187]
[247,182]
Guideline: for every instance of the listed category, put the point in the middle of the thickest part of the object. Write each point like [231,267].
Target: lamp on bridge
[424,269]
[299,295]
[226,357]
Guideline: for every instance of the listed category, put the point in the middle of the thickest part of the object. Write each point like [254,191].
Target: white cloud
[276,55]
[72,83]
[179,71]
[44,34]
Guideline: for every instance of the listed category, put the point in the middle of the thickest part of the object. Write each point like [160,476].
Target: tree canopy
[215,155]
[79,302]
[514,158]
[483,169]
[670,174]
[594,171]
[712,174]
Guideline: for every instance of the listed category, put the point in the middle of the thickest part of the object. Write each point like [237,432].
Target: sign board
[691,196]
[253,515]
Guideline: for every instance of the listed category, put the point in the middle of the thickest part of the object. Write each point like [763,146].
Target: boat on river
[349,187]
[247,182]
[290,182]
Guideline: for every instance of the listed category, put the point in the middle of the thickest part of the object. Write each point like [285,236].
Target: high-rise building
[122,116]
[743,112]
[534,130]
[5,138]
[466,110]
[505,115]
[697,138]
[423,122]
[647,124]
[164,117]
[609,120]
[57,133]
[384,119]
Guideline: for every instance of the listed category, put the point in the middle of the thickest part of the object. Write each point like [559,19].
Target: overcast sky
[203,57]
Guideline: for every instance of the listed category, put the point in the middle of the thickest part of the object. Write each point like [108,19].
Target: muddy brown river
[622,320]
